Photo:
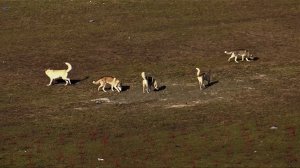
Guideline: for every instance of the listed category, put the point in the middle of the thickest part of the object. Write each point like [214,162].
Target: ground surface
[249,117]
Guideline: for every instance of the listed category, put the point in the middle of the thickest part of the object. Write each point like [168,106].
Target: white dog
[243,53]
[148,82]
[54,74]
[203,77]
[114,82]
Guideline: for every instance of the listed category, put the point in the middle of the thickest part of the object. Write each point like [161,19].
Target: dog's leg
[200,80]
[235,59]
[99,87]
[66,82]
[243,57]
[148,88]
[155,85]
[50,82]
[247,59]
[69,81]
[103,88]
[200,83]
[143,87]
[112,87]
[231,56]
[117,89]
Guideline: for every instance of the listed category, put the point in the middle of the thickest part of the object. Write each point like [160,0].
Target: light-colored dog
[203,77]
[148,82]
[114,83]
[54,74]
[242,53]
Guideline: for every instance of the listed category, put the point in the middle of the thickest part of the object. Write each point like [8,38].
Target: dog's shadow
[250,59]
[125,88]
[160,88]
[211,84]
[73,81]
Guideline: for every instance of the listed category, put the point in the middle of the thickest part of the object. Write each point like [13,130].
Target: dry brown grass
[226,125]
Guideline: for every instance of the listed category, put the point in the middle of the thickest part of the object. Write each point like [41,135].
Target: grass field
[225,125]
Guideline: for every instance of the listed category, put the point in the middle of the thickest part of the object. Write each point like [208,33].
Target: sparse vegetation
[226,125]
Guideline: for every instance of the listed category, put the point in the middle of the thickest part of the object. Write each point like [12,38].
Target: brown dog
[114,83]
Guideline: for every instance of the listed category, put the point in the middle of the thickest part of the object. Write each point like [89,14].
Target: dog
[203,77]
[148,82]
[114,83]
[54,74]
[243,53]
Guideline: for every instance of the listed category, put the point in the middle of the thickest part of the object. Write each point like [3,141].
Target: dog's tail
[228,52]
[143,75]
[69,66]
[96,82]
[198,71]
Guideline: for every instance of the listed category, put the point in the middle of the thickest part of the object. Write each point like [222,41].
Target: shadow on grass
[211,84]
[250,59]
[160,88]
[255,58]
[73,81]
[125,88]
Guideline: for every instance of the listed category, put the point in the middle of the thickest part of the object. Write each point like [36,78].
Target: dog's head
[251,57]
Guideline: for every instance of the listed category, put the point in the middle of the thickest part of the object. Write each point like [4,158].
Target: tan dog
[203,77]
[114,83]
[54,74]
[243,53]
[148,82]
